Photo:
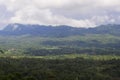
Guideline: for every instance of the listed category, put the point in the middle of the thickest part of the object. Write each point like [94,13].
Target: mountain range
[46,40]
[57,31]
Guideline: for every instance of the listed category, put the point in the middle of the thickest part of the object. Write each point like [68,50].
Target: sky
[76,13]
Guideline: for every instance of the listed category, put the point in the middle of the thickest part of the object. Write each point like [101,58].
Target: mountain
[55,40]
[58,31]
[40,30]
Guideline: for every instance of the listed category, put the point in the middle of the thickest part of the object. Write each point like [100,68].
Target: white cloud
[77,13]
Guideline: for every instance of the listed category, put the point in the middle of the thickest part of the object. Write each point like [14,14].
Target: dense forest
[56,69]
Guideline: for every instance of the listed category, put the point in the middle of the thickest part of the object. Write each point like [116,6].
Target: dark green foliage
[1,51]
[67,69]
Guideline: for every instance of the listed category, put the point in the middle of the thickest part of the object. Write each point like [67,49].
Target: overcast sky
[77,13]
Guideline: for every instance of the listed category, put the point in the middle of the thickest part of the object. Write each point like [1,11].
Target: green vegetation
[59,69]
[84,56]
[66,56]
[38,46]
[73,57]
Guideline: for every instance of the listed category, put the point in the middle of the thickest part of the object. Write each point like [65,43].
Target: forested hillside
[38,40]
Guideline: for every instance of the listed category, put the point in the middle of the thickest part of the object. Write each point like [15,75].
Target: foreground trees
[68,69]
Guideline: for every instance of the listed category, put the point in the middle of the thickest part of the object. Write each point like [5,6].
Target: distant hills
[56,40]
[57,31]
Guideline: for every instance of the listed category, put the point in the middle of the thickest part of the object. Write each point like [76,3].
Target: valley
[35,52]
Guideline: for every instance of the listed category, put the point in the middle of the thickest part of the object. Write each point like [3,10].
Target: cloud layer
[76,13]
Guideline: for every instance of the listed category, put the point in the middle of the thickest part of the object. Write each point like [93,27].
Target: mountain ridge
[58,31]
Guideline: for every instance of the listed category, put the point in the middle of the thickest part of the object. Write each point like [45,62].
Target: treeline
[83,44]
[34,51]
[66,50]
[68,69]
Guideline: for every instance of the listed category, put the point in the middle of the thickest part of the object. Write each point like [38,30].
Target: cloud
[76,13]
